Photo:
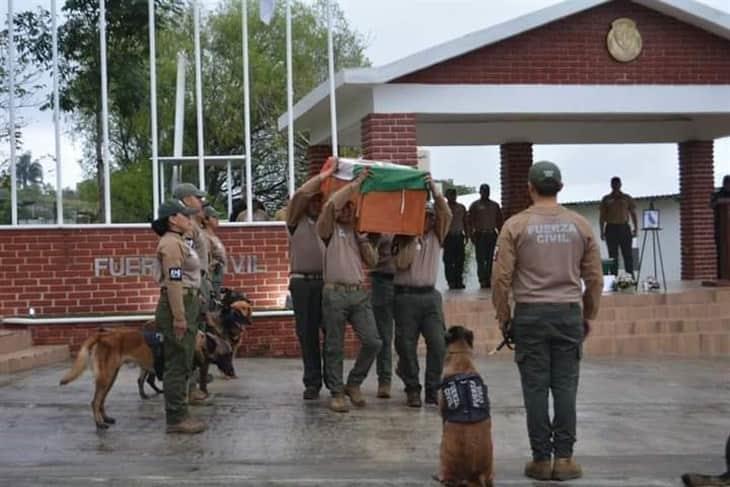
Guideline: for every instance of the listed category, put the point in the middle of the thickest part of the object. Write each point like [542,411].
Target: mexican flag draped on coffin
[392,199]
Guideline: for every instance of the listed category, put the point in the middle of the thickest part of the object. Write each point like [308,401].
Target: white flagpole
[333,101]
[290,97]
[199,96]
[105,114]
[246,110]
[153,108]
[56,115]
[11,116]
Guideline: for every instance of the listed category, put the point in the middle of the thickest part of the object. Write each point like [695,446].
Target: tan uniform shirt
[485,216]
[258,216]
[617,208]
[542,254]
[218,257]
[459,215]
[179,269]
[201,245]
[306,249]
[417,258]
[386,263]
[344,249]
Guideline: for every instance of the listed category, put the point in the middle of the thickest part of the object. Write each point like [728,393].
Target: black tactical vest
[465,399]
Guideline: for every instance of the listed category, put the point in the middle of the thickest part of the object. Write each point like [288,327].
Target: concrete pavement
[641,423]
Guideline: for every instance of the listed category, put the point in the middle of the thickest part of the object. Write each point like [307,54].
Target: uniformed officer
[485,222]
[218,260]
[177,311]
[455,241]
[192,197]
[306,251]
[616,209]
[542,255]
[383,299]
[344,299]
[418,307]
[721,194]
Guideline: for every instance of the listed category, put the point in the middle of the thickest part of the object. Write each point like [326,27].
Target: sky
[647,169]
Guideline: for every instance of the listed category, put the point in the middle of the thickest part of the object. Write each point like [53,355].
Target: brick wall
[316,157]
[53,272]
[696,183]
[573,51]
[389,137]
[516,162]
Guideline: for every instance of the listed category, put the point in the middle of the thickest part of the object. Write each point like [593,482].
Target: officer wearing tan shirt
[616,209]
[485,222]
[454,251]
[218,259]
[306,251]
[418,307]
[177,311]
[344,299]
[192,197]
[383,300]
[542,255]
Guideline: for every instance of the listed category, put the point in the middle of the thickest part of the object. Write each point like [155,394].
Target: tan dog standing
[466,441]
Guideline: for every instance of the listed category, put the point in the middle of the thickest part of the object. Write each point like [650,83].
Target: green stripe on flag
[391,178]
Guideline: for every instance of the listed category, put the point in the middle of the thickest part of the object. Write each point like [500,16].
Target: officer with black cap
[192,197]
[543,254]
[177,311]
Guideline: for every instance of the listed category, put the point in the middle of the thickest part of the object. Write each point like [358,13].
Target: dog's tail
[81,359]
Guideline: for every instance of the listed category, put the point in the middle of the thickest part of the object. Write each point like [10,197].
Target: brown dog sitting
[466,441]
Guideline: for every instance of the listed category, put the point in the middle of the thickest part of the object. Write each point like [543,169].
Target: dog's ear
[469,336]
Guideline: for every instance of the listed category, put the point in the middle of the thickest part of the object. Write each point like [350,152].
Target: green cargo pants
[383,301]
[548,347]
[178,354]
[340,305]
[419,314]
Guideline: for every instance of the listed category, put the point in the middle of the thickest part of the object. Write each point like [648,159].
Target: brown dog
[108,350]
[466,441]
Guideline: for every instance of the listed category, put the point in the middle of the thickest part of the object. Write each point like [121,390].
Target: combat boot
[566,469]
[413,399]
[384,391]
[431,397]
[310,393]
[187,426]
[355,395]
[539,470]
[695,479]
[197,398]
[338,404]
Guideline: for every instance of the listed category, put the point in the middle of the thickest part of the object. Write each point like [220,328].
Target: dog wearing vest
[466,441]
[108,350]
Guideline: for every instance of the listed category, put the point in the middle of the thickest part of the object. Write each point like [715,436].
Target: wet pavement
[641,423]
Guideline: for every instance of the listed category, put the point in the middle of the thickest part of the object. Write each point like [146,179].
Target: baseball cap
[211,212]
[184,190]
[544,172]
[173,207]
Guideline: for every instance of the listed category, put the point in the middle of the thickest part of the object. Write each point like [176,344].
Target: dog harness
[466,399]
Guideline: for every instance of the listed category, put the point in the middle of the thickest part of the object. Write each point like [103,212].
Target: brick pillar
[389,137]
[696,183]
[316,157]
[516,162]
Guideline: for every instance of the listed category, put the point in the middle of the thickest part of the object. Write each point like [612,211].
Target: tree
[127,47]
[28,172]
[32,46]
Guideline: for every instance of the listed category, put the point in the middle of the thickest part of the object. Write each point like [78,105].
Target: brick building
[547,77]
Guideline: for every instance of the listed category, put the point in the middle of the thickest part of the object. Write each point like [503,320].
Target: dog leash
[506,339]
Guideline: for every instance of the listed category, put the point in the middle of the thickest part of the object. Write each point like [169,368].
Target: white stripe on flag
[267,8]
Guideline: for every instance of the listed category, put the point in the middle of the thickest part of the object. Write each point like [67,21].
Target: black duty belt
[382,275]
[306,276]
[413,289]
[343,287]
